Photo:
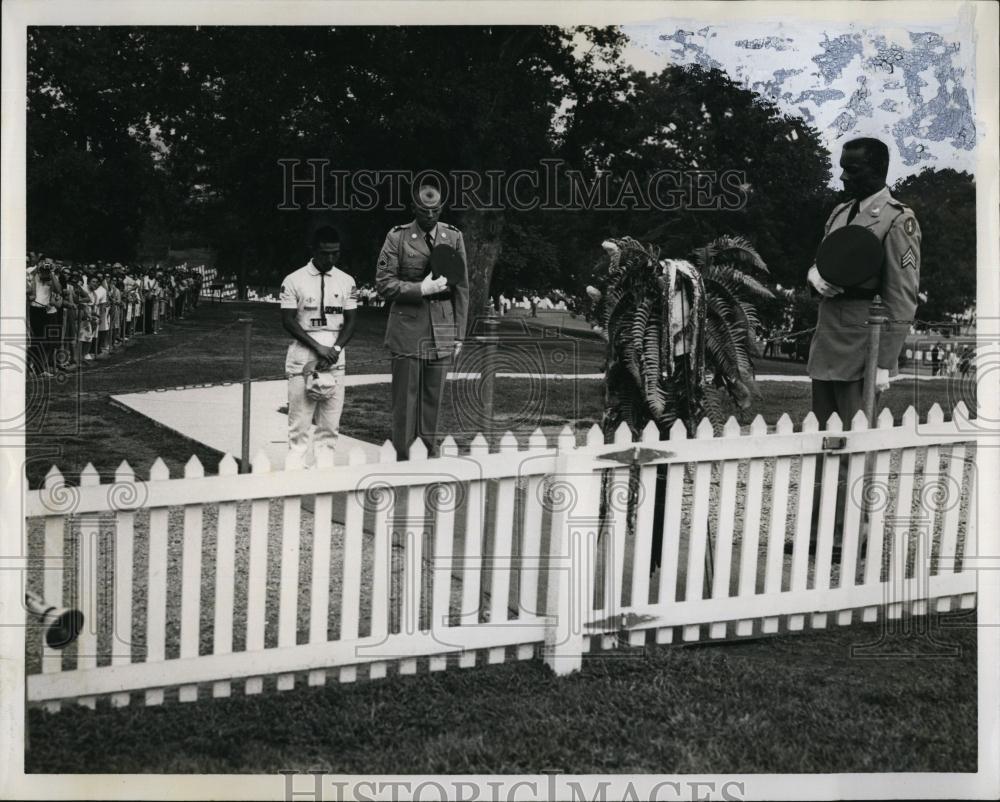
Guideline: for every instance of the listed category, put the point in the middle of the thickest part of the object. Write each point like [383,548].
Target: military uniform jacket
[418,326]
[838,348]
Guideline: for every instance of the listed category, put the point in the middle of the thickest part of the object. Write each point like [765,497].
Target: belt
[859,293]
[439,296]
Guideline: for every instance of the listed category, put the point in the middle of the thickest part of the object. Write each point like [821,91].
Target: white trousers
[314,446]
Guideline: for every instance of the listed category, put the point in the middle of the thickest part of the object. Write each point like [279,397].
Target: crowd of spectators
[80,313]
[533,301]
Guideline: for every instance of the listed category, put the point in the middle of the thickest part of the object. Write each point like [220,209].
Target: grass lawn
[793,703]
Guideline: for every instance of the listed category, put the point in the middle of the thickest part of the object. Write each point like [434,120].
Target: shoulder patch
[910,225]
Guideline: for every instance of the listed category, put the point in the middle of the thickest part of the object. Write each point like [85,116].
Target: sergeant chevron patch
[909,259]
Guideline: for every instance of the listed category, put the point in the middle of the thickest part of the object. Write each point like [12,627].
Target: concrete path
[214,416]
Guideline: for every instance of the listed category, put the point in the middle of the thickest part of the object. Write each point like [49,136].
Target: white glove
[821,285]
[431,286]
[881,379]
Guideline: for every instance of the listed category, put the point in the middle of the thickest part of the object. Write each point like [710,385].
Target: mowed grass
[787,704]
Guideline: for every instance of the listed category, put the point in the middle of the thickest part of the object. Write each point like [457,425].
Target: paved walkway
[213,415]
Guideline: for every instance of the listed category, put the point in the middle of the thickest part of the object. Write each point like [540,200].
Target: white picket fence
[200,584]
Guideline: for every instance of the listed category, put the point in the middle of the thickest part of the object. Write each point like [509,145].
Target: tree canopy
[944,202]
[144,139]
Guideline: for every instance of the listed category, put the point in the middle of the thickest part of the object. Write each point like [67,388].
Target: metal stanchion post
[877,317]
[247,322]
[487,364]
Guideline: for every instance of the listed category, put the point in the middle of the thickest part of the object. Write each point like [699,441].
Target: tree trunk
[481,231]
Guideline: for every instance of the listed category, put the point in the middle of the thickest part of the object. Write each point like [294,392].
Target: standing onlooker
[70,326]
[838,347]
[318,304]
[102,302]
[149,300]
[133,292]
[44,300]
[951,362]
[426,322]
[87,304]
[935,360]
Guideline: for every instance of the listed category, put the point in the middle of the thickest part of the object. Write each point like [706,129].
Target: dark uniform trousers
[417,385]
[845,398]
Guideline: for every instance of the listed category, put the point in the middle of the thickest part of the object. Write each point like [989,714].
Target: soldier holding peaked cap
[422,272]
[871,247]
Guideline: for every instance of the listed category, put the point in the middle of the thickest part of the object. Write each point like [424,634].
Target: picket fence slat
[900,527]
[156,600]
[803,522]
[354,515]
[670,556]
[643,535]
[288,595]
[949,536]
[384,502]
[698,530]
[472,559]
[414,530]
[55,552]
[225,575]
[971,549]
[191,580]
[503,533]
[723,559]
[319,594]
[827,517]
[750,548]
[876,497]
[121,622]
[441,568]
[615,532]
[774,564]
[256,572]
[853,504]
[531,542]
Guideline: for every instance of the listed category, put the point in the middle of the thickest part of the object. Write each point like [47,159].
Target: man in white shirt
[44,297]
[318,309]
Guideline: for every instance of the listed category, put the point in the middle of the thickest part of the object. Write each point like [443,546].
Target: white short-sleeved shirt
[303,291]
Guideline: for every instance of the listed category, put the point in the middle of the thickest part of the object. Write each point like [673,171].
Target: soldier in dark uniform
[838,348]
[427,319]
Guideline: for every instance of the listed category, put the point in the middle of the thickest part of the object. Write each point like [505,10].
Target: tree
[944,202]
[91,176]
